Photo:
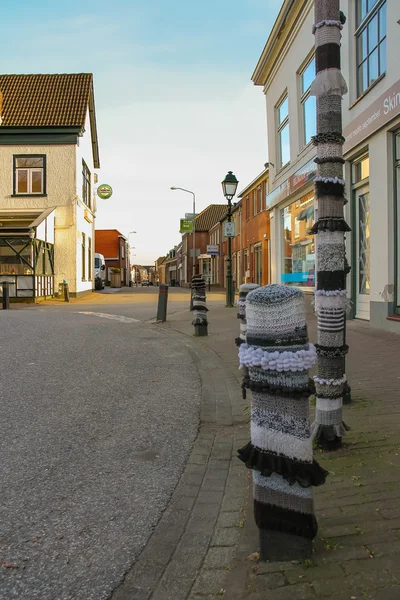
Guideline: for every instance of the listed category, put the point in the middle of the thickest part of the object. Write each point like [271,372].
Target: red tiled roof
[209,216]
[45,100]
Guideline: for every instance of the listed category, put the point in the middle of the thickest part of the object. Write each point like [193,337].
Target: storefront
[27,253]
[293,210]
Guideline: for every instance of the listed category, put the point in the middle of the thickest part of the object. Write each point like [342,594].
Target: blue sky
[174,100]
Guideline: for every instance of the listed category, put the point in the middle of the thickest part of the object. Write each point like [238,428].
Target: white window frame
[280,127]
[29,171]
[360,28]
[304,96]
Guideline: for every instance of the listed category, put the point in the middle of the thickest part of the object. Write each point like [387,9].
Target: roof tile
[209,216]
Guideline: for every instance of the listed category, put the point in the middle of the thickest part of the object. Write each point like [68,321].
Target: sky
[175,104]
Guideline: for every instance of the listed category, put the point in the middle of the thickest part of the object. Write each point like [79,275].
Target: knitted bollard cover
[330,295]
[278,355]
[199,301]
[244,289]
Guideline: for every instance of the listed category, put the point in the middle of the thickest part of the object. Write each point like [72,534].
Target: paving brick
[329,571]
[225,537]
[268,581]
[219,557]
[230,519]
[209,497]
[358,581]
[291,592]
[173,589]
[210,581]
[232,504]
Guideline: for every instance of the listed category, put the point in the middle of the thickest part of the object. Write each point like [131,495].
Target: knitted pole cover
[244,289]
[278,355]
[199,301]
[330,295]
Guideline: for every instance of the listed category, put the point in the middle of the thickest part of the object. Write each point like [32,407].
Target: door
[363,279]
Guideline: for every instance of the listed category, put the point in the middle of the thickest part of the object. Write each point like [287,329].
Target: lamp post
[194,225]
[229,187]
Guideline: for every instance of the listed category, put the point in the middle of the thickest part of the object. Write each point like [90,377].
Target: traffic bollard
[199,306]
[6,295]
[66,291]
[162,303]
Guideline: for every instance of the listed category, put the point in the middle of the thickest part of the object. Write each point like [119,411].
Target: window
[86,185]
[371,42]
[29,174]
[258,264]
[360,169]
[308,102]
[123,251]
[283,132]
[83,257]
[298,245]
[247,208]
[397,212]
[254,203]
[89,259]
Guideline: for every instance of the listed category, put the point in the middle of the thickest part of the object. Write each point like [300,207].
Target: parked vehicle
[99,271]
[145,283]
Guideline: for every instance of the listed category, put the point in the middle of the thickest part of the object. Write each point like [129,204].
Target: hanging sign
[229,229]
[212,250]
[104,191]
[185,226]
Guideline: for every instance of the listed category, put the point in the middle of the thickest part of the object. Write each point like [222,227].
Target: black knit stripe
[327,57]
[268,516]
[331,280]
[331,224]
[329,159]
[329,188]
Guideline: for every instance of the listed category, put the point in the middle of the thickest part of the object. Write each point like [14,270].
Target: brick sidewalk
[200,549]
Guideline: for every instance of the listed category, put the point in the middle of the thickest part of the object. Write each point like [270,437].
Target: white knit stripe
[252,356]
[330,237]
[276,482]
[281,443]
[325,404]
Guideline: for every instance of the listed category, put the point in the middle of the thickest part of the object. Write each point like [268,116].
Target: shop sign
[104,191]
[296,181]
[185,226]
[380,112]
[229,229]
[213,250]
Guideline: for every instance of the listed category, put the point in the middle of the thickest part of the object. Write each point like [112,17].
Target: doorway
[362,263]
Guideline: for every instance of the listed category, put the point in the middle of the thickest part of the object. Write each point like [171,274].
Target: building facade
[48,153]
[115,248]
[371,126]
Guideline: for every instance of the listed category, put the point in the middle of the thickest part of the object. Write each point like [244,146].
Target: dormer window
[29,174]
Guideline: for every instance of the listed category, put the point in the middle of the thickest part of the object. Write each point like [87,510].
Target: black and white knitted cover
[199,300]
[244,289]
[330,294]
[277,354]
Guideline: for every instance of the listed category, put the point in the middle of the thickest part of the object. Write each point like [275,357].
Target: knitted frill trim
[328,23]
[275,518]
[239,341]
[333,137]
[278,390]
[329,437]
[330,224]
[293,471]
[329,82]
[327,351]
[200,321]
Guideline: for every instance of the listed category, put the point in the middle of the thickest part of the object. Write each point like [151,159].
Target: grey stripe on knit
[330,35]
[331,169]
[284,498]
[329,391]
[330,257]
[278,442]
[331,208]
[330,150]
[325,10]
[331,339]
[328,417]
[331,367]
[285,379]
[281,414]
[330,121]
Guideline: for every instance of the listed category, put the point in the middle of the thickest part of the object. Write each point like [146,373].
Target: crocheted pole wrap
[244,289]
[199,301]
[330,296]
[277,356]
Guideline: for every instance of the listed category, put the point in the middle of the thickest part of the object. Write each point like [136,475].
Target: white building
[48,151]
[371,122]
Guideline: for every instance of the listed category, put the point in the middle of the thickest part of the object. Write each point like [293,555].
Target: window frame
[43,170]
[280,127]
[86,185]
[304,96]
[361,26]
[90,274]
[83,256]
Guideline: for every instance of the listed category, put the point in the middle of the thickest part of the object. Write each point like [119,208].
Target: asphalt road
[98,416]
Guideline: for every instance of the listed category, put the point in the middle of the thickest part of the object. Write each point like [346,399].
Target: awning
[306,214]
[22,220]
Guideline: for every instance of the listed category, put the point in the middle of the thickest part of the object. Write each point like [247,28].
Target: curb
[191,550]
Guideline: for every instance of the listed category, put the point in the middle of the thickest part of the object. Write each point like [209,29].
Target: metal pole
[194,235]
[6,295]
[229,300]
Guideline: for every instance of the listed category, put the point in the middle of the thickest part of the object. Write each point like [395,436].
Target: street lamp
[229,187]
[194,228]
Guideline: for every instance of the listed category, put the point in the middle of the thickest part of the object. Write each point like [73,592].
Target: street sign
[104,191]
[190,216]
[213,249]
[229,229]
[185,226]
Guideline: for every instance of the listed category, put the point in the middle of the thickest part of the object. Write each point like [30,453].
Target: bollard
[66,291]
[244,289]
[199,306]
[6,295]
[278,355]
[162,303]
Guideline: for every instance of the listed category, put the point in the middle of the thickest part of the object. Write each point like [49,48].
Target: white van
[99,271]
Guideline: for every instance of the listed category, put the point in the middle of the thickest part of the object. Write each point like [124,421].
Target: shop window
[30,174]
[86,184]
[15,257]
[298,245]
[360,169]
[308,102]
[371,42]
[283,131]
[397,209]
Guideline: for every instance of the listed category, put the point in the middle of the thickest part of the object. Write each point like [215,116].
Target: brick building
[115,248]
